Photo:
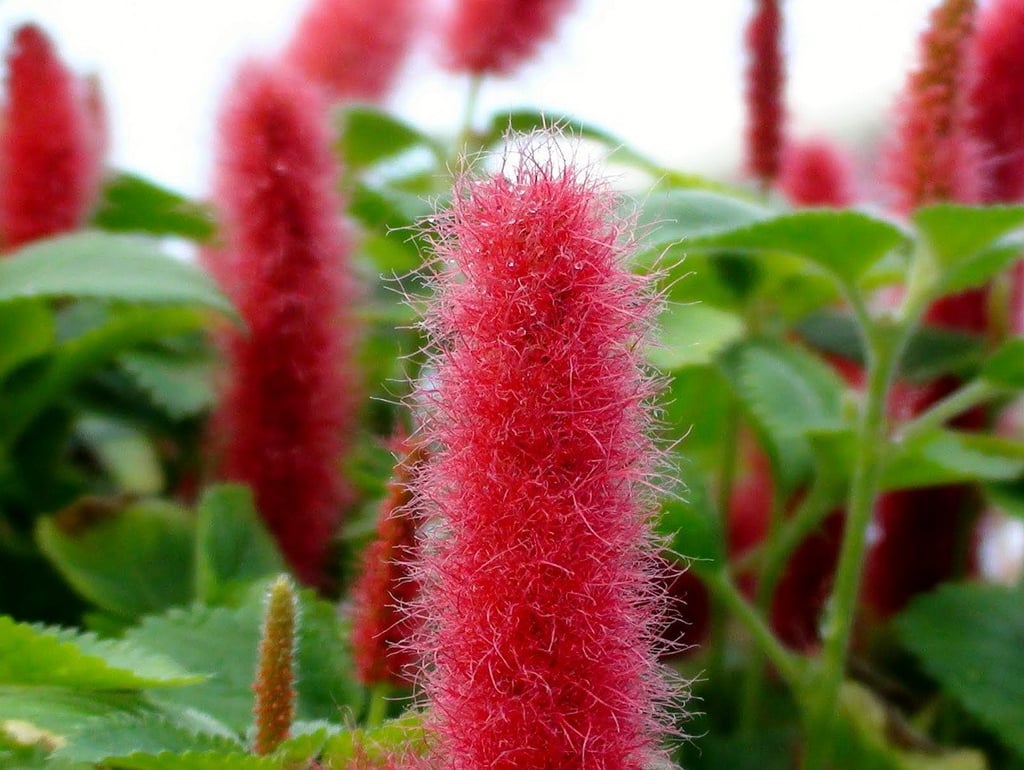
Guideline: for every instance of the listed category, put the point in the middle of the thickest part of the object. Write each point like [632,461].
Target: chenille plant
[691,473]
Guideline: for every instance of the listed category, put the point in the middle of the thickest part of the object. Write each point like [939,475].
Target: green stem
[729,595]
[884,349]
[956,403]
[469,113]
[377,708]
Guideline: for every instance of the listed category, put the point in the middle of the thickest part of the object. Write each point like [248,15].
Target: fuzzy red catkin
[932,156]
[538,569]
[497,36]
[354,49]
[997,98]
[285,418]
[382,626]
[50,160]
[816,173]
[765,81]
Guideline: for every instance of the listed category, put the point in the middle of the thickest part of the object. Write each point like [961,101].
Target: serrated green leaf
[223,641]
[1005,367]
[27,329]
[35,656]
[790,390]
[395,735]
[130,203]
[969,638]
[672,216]
[194,760]
[955,234]
[950,457]
[180,386]
[844,244]
[72,361]
[129,560]
[107,738]
[61,711]
[690,335]
[368,136]
[115,267]
[232,545]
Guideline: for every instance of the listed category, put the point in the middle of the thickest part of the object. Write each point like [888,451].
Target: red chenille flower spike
[816,173]
[765,81]
[933,156]
[497,36]
[49,163]
[288,406]
[354,49]
[538,566]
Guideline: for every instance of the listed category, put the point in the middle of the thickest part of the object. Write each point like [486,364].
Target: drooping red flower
[288,406]
[997,98]
[382,623]
[497,36]
[538,568]
[49,167]
[352,48]
[765,81]
[816,173]
[933,157]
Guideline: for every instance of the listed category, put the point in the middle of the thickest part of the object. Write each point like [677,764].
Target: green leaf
[368,136]
[222,642]
[1005,367]
[969,638]
[789,389]
[950,457]
[389,210]
[76,359]
[198,760]
[232,545]
[107,738]
[124,452]
[133,204]
[844,244]
[182,387]
[693,526]
[866,739]
[395,735]
[955,234]
[48,657]
[128,560]
[690,335]
[672,216]
[976,271]
[61,711]
[27,331]
[116,267]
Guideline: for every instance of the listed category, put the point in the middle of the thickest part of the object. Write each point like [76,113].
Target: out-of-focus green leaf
[107,738]
[130,203]
[126,454]
[115,267]
[955,235]
[844,244]
[949,457]
[128,559]
[691,335]
[368,136]
[180,386]
[672,216]
[969,638]
[33,656]
[232,546]
[27,330]
[1005,367]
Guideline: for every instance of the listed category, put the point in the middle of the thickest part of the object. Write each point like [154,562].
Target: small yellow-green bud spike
[274,687]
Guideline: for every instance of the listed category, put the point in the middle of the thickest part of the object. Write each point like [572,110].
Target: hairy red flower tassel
[352,48]
[933,156]
[539,569]
[765,76]
[49,166]
[382,626]
[497,36]
[287,410]
[274,688]
[816,173]
[997,98]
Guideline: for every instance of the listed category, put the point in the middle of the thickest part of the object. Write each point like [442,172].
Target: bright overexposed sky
[664,75]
